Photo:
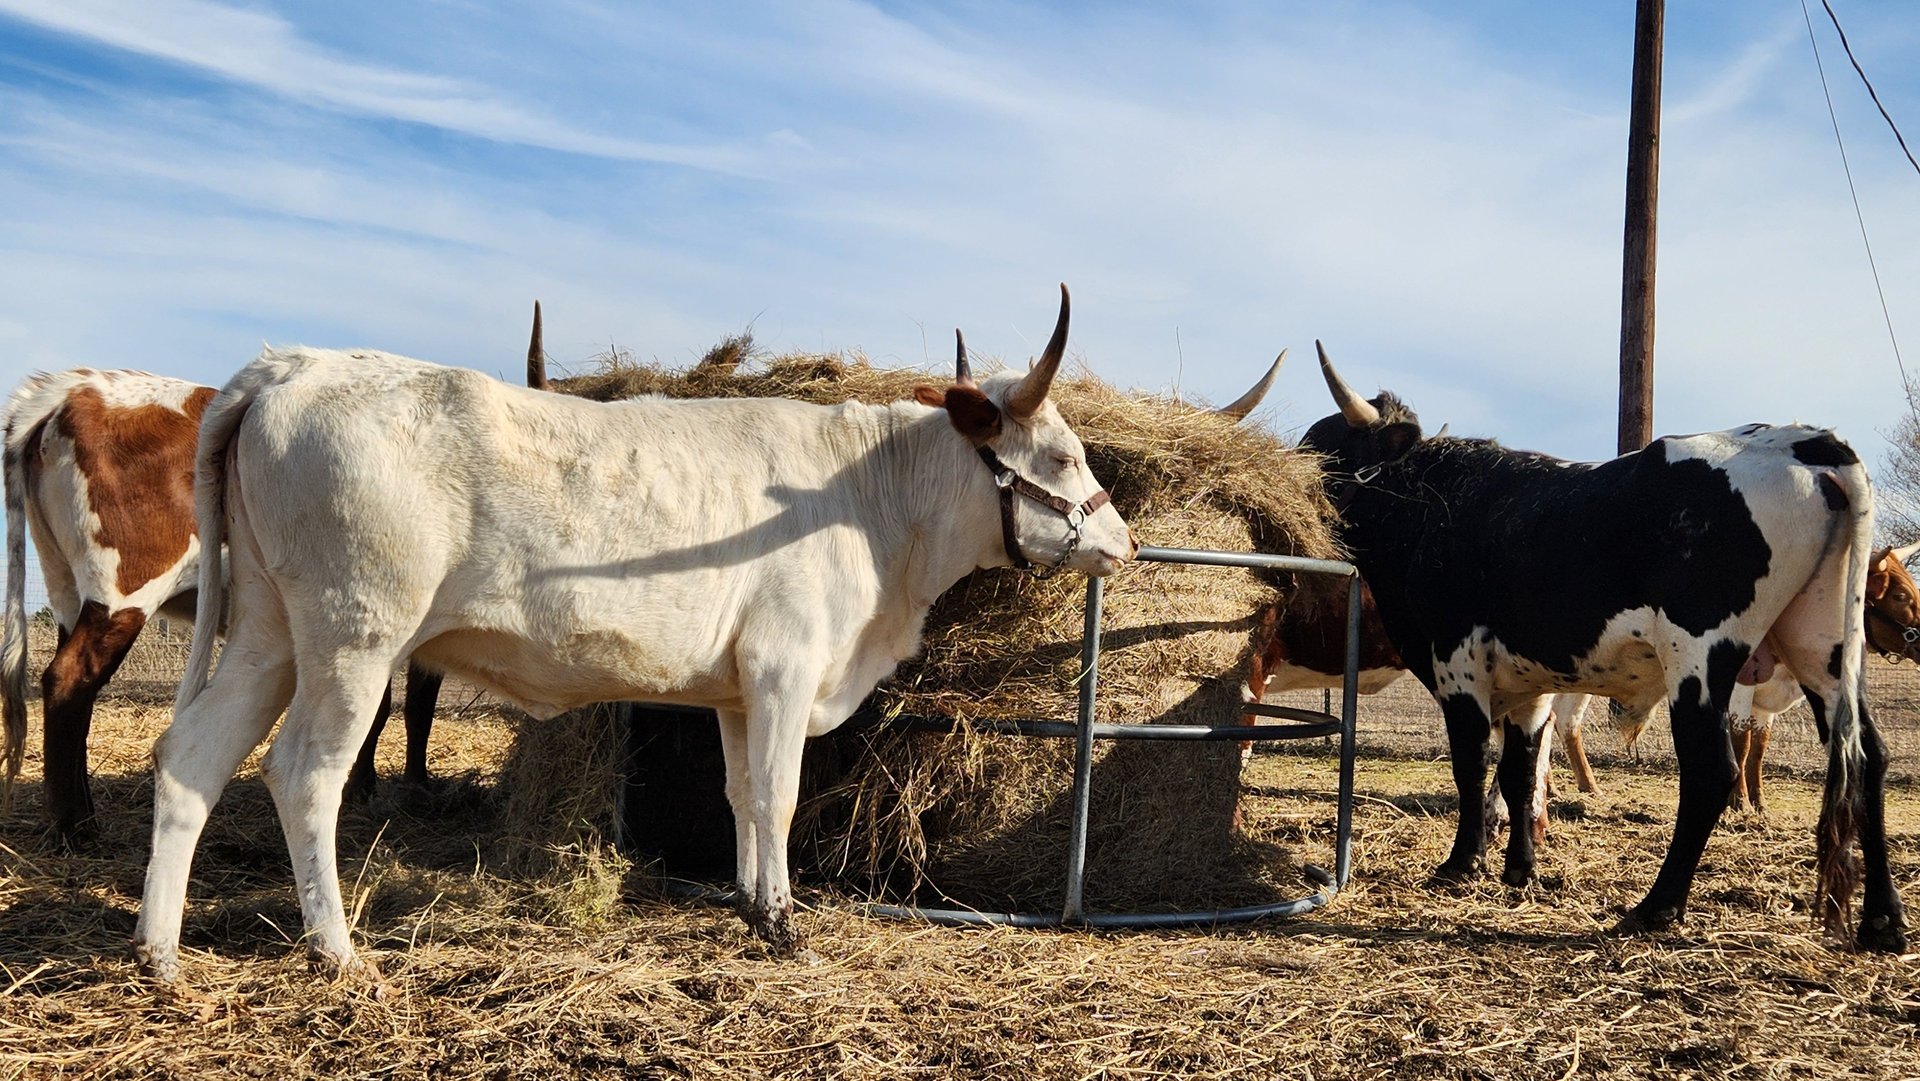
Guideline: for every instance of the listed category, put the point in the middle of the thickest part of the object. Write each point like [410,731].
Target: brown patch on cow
[84,661]
[138,463]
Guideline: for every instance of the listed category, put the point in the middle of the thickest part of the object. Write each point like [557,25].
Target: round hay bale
[982,819]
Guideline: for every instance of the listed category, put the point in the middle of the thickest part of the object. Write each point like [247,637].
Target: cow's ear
[973,414]
[1878,582]
[1397,439]
[926,395]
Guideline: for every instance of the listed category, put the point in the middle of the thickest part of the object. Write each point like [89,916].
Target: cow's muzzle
[1009,482]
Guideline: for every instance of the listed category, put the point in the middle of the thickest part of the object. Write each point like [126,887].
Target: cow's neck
[951,507]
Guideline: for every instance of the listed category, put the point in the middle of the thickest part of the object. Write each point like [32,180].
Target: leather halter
[1909,636]
[1009,482]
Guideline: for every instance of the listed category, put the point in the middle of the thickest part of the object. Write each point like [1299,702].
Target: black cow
[1501,575]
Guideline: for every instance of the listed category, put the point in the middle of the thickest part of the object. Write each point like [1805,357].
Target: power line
[1862,72]
[1905,383]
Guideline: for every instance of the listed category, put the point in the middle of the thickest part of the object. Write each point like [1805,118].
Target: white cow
[770,559]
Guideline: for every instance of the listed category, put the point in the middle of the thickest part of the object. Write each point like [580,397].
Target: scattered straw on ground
[495,973]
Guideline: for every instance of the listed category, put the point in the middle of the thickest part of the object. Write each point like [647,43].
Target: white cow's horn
[1358,411]
[1032,390]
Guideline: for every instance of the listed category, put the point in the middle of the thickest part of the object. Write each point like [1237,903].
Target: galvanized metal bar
[1309,726]
[1256,560]
[1349,698]
[1071,910]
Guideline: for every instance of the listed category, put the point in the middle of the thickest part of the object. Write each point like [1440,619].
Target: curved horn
[1032,390]
[1904,554]
[537,355]
[1442,433]
[1247,402]
[1358,411]
[962,371]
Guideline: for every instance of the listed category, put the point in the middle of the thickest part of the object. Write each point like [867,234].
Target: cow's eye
[1066,462]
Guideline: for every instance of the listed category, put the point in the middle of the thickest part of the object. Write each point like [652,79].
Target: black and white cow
[1684,557]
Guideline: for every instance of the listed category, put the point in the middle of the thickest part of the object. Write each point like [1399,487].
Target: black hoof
[1456,872]
[1641,921]
[358,791]
[1516,876]
[74,838]
[1882,934]
[773,928]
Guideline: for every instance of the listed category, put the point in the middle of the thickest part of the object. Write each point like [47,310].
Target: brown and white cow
[99,465]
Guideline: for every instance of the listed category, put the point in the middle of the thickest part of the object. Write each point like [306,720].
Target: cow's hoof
[351,969]
[158,965]
[775,928]
[1881,934]
[74,838]
[1456,872]
[1642,920]
[1517,876]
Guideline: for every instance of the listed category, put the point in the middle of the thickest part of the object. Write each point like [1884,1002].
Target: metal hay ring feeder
[1302,724]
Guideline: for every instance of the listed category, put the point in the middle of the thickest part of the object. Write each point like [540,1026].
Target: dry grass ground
[587,971]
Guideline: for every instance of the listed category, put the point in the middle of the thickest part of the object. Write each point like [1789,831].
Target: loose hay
[492,974]
[983,819]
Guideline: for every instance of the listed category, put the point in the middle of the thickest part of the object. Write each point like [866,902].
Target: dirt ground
[590,971]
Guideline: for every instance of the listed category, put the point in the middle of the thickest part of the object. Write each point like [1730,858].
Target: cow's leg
[1882,922]
[192,763]
[1704,752]
[1467,733]
[733,746]
[1494,816]
[1740,725]
[1756,752]
[305,770]
[776,739]
[1569,711]
[1542,771]
[423,695]
[361,779]
[1522,784]
[1742,739]
[84,661]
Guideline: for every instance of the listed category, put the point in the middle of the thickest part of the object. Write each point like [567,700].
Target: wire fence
[1403,720]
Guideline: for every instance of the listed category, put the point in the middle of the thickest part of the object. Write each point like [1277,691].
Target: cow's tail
[1843,805]
[210,460]
[32,405]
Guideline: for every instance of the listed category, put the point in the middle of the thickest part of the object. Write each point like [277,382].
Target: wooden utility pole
[1643,184]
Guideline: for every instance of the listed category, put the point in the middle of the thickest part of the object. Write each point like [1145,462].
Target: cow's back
[553,548]
[1572,568]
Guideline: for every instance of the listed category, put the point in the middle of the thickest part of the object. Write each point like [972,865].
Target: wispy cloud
[1436,194]
[261,50]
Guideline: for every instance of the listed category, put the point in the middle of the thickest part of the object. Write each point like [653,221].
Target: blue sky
[1433,188]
